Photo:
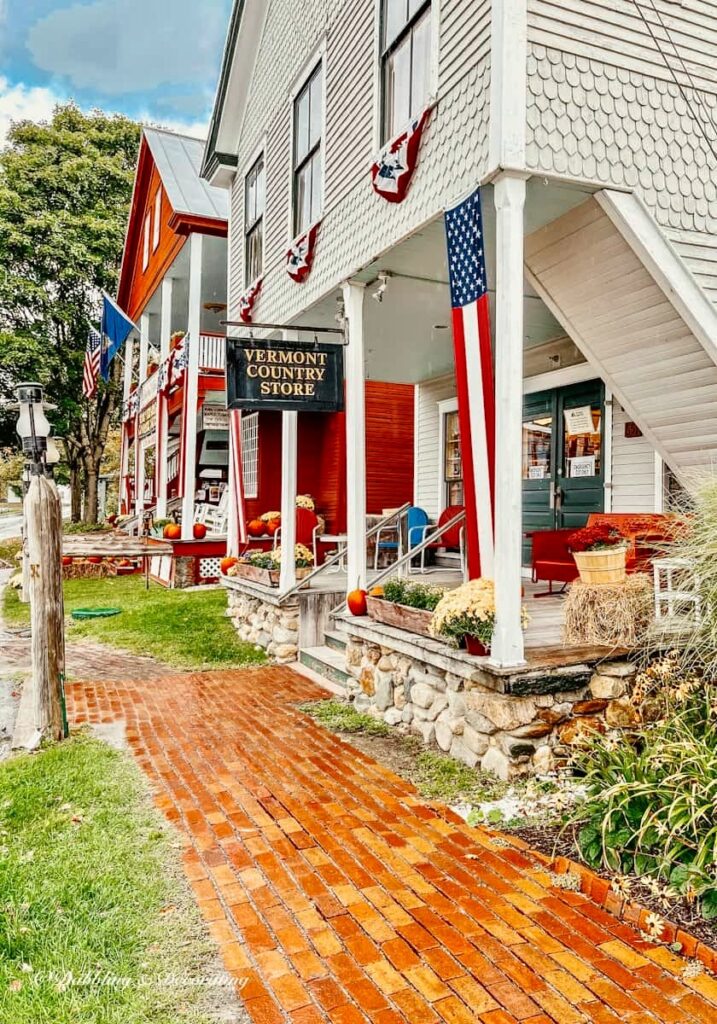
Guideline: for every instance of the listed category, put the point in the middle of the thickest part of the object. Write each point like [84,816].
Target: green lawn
[186,629]
[96,922]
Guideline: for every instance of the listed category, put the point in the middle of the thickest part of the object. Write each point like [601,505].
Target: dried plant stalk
[609,615]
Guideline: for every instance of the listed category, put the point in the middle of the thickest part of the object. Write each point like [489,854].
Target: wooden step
[327,662]
[335,640]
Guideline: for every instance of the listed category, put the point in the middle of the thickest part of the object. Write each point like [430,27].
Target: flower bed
[405,605]
[263,566]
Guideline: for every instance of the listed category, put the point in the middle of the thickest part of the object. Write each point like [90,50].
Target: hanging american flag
[474,377]
[237,533]
[91,367]
[301,254]
[246,302]
[393,168]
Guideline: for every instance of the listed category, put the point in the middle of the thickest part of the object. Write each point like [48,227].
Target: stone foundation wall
[501,733]
[273,627]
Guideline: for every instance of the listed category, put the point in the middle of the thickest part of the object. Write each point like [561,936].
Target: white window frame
[445,406]
[317,57]
[250,453]
[378,143]
[259,153]
[145,242]
[157,214]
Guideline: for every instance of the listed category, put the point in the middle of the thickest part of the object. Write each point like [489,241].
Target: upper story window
[157,218]
[307,166]
[145,240]
[254,197]
[405,61]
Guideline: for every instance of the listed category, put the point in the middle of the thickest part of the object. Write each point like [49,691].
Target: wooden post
[43,515]
[287,571]
[161,430]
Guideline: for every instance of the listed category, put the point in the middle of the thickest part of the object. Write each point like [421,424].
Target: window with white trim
[250,454]
[157,218]
[145,243]
[254,199]
[307,156]
[405,62]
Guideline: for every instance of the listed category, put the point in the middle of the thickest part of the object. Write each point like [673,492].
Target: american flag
[474,377]
[91,368]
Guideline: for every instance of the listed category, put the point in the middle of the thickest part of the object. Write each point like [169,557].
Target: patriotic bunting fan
[246,302]
[301,254]
[393,168]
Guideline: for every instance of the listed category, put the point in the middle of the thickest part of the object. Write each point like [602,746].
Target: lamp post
[43,540]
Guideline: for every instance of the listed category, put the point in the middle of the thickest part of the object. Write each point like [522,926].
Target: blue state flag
[116,325]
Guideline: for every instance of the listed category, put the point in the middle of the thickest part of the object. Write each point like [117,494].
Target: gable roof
[178,159]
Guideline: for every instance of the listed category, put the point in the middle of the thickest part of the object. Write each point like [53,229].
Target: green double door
[563,456]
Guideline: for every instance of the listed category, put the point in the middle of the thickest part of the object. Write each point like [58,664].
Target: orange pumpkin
[272,526]
[94,560]
[256,528]
[199,531]
[226,564]
[124,562]
[67,559]
[356,602]
[172,531]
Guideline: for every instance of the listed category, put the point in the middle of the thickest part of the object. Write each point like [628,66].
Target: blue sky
[155,60]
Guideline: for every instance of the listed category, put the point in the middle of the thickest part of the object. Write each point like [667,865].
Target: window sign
[579,420]
[584,465]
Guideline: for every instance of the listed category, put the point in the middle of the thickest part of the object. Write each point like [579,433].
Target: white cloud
[23,102]
[131,47]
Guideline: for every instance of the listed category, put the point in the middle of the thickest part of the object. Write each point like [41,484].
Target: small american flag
[91,368]
[474,377]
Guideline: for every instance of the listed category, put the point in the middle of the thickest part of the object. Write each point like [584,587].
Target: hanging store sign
[284,375]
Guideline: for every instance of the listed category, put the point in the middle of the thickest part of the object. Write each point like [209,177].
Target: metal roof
[179,159]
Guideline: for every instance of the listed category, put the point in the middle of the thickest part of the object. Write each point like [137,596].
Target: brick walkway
[337,894]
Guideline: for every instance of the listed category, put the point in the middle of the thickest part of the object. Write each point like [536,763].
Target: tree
[65,190]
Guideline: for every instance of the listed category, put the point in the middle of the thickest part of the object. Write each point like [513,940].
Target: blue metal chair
[416,521]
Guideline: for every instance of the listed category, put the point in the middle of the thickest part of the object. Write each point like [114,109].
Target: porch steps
[327,662]
[335,640]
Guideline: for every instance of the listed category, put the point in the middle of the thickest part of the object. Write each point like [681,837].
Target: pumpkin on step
[94,560]
[256,528]
[67,559]
[356,602]
[272,526]
[226,564]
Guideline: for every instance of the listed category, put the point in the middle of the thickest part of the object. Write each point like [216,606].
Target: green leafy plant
[394,590]
[412,595]
[342,717]
[262,560]
[651,803]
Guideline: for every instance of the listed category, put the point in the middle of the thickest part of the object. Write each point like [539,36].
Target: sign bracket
[288,327]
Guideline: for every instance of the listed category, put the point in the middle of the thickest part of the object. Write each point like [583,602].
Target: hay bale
[609,615]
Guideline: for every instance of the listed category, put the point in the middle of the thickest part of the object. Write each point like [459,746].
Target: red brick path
[337,894]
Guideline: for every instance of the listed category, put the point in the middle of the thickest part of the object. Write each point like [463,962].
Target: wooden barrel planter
[605,567]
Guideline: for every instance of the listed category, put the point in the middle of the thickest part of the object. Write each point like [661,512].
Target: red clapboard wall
[321,469]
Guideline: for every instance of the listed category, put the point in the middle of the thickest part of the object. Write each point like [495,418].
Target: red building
[175,460]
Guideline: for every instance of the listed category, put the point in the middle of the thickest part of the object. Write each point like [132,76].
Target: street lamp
[32,425]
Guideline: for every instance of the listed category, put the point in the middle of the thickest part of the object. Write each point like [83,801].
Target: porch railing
[341,553]
[212,352]
[411,553]
[173,466]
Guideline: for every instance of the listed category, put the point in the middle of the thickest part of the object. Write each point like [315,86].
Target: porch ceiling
[408,337]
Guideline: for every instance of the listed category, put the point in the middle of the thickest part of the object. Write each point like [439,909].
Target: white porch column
[509,194]
[355,438]
[126,389]
[139,454]
[191,387]
[289,433]
[165,330]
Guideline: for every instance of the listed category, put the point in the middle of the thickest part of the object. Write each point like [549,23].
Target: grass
[188,629]
[8,549]
[341,717]
[96,923]
[440,777]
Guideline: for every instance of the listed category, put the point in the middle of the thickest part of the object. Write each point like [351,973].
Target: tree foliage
[65,189]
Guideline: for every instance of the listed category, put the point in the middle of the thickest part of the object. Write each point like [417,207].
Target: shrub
[651,800]
[394,590]
[413,595]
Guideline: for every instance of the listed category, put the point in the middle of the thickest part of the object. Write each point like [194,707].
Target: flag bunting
[246,302]
[393,168]
[300,255]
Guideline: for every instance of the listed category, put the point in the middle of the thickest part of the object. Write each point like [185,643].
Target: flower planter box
[415,620]
[601,567]
[267,577]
